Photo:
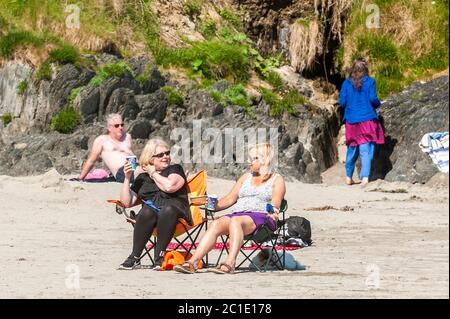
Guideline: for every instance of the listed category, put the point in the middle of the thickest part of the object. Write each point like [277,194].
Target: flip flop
[158,268]
[185,268]
[220,271]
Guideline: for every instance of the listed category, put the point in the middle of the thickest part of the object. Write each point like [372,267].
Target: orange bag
[173,258]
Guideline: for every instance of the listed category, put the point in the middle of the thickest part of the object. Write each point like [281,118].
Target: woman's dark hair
[357,71]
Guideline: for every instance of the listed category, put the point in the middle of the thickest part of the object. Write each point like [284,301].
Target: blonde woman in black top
[162,188]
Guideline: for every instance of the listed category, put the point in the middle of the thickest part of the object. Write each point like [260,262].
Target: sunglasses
[160,155]
[117,125]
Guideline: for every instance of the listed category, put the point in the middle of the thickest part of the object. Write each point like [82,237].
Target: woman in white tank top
[250,195]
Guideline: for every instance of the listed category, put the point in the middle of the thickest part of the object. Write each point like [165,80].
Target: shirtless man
[113,147]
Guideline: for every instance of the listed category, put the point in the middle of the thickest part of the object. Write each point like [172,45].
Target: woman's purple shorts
[259,219]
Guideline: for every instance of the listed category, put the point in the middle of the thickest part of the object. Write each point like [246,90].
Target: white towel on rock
[435,144]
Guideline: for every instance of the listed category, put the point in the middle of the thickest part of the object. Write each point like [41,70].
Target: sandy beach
[51,227]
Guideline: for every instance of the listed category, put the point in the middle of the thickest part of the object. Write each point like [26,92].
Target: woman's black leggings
[165,221]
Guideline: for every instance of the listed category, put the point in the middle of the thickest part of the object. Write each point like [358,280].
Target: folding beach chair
[197,197]
[263,235]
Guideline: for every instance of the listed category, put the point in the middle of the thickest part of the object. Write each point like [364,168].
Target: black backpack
[299,227]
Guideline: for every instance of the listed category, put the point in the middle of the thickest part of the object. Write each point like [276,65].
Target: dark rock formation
[112,49]
[36,154]
[274,27]
[141,128]
[67,78]
[406,117]
[87,102]
[113,83]
[122,101]
[265,20]
[154,81]
[138,64]
[300,154]
[152,106]
[305,143]
[200,104]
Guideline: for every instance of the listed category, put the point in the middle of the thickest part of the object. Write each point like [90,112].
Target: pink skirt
[364,132]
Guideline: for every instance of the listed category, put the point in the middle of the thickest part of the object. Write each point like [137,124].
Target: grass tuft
[174,97]
[22,87]
[44,72]
[64,54]
[11,41]
[66,120]
[286,104]
[213,59]
[7,118]
[110,70]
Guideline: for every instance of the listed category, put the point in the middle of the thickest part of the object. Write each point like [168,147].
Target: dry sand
[50,227]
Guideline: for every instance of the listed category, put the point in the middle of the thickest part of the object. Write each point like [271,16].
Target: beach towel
[99,175]
[219,246]
[435,144]
[289,242]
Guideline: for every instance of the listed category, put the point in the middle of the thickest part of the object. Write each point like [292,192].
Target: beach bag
[299,227]
[266,260]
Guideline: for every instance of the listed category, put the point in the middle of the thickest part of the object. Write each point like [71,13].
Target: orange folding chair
[197,197]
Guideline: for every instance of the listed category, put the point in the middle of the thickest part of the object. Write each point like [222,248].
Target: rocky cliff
[306,142]
[421,108]
[28,146]
[309,34]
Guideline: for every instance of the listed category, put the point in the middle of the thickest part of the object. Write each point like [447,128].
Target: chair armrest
[210,212]
[198,200]
[121,208]
[121,204]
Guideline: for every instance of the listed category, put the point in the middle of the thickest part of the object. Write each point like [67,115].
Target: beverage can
[132,160]
[212,202]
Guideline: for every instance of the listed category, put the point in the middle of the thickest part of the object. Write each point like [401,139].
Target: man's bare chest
[112,146]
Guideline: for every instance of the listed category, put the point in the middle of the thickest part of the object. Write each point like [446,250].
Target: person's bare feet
[364,181]
[349,181]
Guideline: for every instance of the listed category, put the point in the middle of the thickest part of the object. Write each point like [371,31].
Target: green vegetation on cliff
[286,104]
[66,120]
[14,39]
[109,70]
[213,59]
[174,97]
[6,118]
[410,43]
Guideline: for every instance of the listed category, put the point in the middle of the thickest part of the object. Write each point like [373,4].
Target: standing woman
[363,130]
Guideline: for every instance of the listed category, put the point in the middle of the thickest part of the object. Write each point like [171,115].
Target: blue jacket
[359,105]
